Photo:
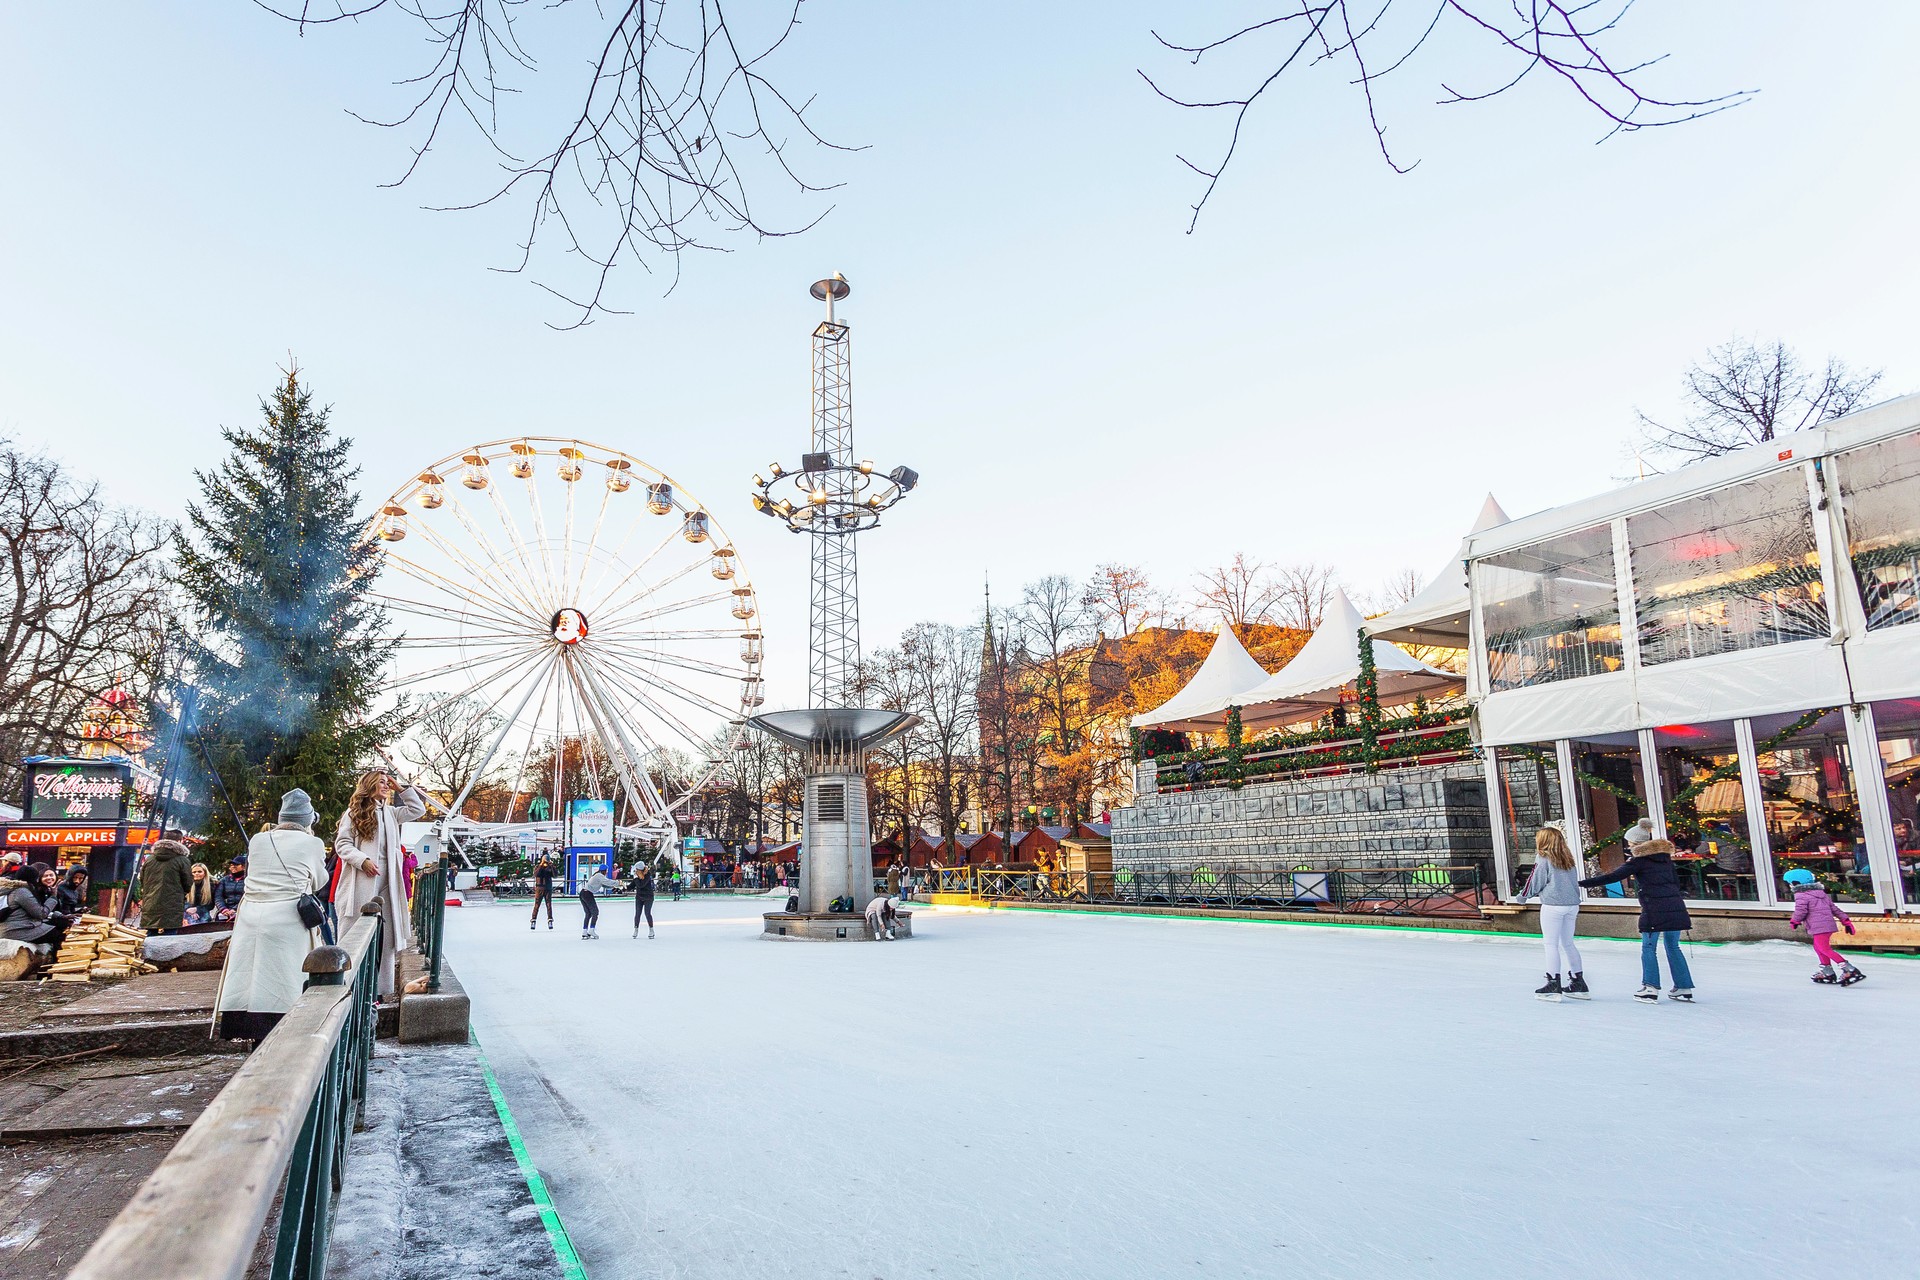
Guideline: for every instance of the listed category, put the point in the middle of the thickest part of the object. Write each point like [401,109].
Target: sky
[1337,365]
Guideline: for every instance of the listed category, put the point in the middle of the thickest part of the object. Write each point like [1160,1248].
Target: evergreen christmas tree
[284,640]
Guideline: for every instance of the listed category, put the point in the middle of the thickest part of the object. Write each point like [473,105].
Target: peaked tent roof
[1438,614]
[1328,663]
[1228,672]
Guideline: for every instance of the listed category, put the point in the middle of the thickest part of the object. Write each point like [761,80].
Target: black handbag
[313,912]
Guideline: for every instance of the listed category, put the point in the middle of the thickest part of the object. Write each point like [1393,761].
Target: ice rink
[1023,1095]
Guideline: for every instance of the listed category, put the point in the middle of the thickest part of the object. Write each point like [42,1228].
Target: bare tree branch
[1520,36]
[678,122]
[1747,393]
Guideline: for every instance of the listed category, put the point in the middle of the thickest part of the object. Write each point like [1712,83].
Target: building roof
[1228,672]
[1438,614]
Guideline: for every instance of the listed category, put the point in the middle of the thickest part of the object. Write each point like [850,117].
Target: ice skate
[1851,976]
[533,924]
[1551,991]
[1647,995]
[636,931]
[1824,975]
[1683,994]
[649,931]
[549,924]
[1576,988]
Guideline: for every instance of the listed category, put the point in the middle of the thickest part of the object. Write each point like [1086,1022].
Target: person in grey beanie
[262,977]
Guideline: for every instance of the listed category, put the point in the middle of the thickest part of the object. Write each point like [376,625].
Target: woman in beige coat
[368,845]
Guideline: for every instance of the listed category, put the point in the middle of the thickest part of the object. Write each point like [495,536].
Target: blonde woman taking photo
[372,862]
[1556,882]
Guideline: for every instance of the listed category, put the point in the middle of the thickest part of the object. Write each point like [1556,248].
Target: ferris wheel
[579,613]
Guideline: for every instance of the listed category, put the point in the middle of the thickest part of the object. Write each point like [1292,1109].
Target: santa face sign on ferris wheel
[568,624]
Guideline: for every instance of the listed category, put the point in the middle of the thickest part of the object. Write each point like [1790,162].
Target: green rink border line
[1430,931]
[549,1216]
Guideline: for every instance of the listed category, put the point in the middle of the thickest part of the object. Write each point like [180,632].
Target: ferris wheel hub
[569,626]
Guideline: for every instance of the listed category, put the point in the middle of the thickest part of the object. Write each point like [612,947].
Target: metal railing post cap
[373,907]
[327,966]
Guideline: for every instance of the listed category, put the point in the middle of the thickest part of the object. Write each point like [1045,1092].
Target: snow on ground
[1018,1094]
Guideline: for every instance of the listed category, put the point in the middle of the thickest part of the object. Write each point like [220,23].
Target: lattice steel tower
[835,613]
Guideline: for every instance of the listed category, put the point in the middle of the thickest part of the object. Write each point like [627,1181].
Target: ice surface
[1018,1094]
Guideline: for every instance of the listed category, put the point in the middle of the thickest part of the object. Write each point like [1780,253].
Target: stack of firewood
[99,947]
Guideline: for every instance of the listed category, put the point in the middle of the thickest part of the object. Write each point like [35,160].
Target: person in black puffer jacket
[643,900]
[1663,918]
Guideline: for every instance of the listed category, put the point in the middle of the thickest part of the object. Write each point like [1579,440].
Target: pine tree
[284,640]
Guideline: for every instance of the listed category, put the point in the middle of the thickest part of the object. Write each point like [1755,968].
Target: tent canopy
[1311,684]
[1228,672]
[1438,615]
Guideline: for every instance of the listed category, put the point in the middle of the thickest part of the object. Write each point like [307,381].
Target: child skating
[1815,908]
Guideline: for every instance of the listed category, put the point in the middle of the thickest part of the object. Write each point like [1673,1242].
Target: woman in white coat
[262,977]
[368,844]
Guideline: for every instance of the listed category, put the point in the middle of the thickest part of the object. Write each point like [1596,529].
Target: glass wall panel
[1529,800]
[1812,807]
[1729,570]
[1880,493]
[1611,794]
[1706,810]
[1550,611]
[1898,725]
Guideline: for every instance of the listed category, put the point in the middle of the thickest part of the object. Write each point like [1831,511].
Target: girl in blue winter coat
[1815,908]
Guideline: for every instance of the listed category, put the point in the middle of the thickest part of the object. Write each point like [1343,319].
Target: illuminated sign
[76,791]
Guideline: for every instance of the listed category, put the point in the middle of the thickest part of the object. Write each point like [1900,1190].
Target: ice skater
[1815,908]
[589,905]
[542,892]
[1557,884]
[1663,918]
[643,900]
[881,917]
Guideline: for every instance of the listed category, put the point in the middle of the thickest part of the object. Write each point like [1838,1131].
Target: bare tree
[941,665]
[1301,593]
[1560,42]
[1055,626]
[449,743]
[83,604]
[673,124]
[1746,393]
[1122,599]
[1241,592]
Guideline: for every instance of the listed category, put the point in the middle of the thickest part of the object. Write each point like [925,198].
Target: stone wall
[1433,813]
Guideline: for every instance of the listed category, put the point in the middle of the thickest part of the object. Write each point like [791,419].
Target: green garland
[1236,751]
[1368,687]
[1281,740]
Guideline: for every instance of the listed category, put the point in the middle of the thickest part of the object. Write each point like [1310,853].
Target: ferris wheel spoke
[639,654]
[593,542]
[512,527]
[533,730]
[505,728]
[495,557]
[653,588]
[540,541]
[602,598]
[678,606]
[618,726]
[440,613]
[676,691]
[613,739]
[566,539]
[486,602]
[465,664]
[476,572]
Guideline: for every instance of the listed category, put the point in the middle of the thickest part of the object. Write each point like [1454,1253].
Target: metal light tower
[832,497]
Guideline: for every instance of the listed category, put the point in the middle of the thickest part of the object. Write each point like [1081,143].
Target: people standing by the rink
[643,899]
[1814,908]
[1556,882]
[596,883]
[1663,917]
[542,892]
[164,882]
[367,841]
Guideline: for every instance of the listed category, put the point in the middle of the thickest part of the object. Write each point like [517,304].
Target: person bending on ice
[880,918]
[1815,908]
[596,883]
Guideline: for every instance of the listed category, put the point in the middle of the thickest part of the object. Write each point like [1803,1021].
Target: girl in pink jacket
[1816,909]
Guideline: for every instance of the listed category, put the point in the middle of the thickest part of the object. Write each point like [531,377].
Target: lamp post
[832,496]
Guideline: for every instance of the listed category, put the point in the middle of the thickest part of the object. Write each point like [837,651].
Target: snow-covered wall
[1432,812]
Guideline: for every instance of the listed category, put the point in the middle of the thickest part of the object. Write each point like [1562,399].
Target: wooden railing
[284,1120]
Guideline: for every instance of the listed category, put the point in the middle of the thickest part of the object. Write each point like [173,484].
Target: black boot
[1577,988]
[1551,991]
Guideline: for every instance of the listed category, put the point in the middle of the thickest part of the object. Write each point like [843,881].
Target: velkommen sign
[67,791]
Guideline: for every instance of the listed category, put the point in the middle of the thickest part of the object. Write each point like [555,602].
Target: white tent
[1329,662]
[1438,615]
[1228,672]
